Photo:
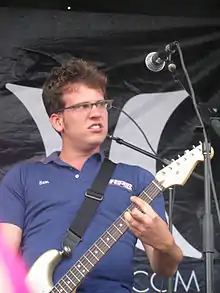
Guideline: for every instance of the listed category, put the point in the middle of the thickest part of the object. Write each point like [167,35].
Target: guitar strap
[93,196]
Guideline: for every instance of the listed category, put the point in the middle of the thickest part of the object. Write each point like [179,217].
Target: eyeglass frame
[76,106]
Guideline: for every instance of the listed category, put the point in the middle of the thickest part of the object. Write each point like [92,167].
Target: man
[39,200]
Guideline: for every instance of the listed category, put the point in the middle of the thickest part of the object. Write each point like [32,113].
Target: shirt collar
[54,158]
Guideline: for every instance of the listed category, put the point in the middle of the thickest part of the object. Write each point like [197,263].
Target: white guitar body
[40,276]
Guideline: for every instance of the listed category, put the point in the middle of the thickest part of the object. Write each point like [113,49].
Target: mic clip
[156,61]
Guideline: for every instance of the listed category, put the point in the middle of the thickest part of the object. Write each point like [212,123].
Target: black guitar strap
[93,197]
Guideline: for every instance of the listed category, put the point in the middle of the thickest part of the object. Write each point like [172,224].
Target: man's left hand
[148,226]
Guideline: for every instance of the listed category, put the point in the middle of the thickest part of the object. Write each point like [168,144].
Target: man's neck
[77,158]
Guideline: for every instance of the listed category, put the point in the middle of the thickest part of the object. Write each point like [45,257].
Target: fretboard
[72,279]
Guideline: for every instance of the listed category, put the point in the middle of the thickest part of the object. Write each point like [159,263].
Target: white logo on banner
[151,111]
[179,282]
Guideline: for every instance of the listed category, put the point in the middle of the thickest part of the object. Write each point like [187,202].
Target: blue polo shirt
[42,198]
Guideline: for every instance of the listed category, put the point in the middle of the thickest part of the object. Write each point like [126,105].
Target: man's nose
[95,111]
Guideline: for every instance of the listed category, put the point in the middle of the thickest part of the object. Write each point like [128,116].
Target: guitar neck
[93,255]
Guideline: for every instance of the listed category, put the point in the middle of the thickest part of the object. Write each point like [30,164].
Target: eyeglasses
[87,106]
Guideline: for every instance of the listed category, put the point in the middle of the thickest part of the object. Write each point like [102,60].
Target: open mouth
[96,126]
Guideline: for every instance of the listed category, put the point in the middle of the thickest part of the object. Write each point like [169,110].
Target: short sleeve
[143,180]
[12,204]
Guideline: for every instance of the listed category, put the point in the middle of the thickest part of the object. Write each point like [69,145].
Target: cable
[138,126]
[215,195]
[192,94]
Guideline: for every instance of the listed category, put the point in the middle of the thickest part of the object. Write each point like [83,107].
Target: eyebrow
[89,102]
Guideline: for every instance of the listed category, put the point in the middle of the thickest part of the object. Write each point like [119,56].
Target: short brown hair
[74,71]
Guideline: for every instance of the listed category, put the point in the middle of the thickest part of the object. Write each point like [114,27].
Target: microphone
[155,61]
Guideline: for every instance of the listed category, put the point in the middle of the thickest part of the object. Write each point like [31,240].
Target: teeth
[95,126]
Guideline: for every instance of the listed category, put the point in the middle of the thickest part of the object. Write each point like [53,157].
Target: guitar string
[110,232]
[74,278]
[88,257]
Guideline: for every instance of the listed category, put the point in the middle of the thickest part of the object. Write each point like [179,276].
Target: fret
[129,209]
[81,264]
[74,273]
[93,254]
[70,280]
[99,249]
[116,235]
[89,261]
[67,285]
[86,263]
[111,236]
[61,289]
[100,243]
[148,196]
[64,286]
[76,276]
[54,288]
[90,256]
[97,252]
[78,269]
[105,243]
[108,240]
[151,192]
[118,229]
[122,226]
[70,276]
[122,220]
[157,185]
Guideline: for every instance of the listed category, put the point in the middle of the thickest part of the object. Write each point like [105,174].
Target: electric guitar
[40,275]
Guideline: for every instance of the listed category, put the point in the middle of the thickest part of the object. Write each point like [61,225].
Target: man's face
[84,128]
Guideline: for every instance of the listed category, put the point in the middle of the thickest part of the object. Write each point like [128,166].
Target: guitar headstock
[177,172]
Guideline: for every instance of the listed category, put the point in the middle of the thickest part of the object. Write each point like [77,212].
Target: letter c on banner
[153,285]
[143,273]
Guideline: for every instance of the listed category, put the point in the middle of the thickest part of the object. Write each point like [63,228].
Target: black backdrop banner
[33,41]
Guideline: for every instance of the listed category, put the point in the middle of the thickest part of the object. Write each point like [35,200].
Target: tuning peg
[179,156]
[194,146]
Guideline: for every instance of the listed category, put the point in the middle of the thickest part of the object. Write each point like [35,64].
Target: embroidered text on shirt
[43,182]
[121,184]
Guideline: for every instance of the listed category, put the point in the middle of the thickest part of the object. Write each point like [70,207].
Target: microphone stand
[125,143]
[171,190]
[170,212]
[208,226]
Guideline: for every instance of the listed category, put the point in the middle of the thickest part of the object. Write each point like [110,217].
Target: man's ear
[56,121]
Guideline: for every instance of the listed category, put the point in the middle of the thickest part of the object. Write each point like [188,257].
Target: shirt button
[77,176]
